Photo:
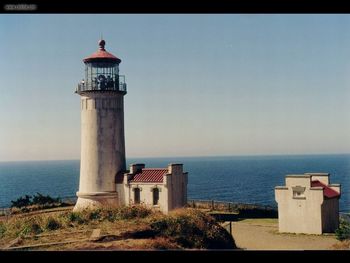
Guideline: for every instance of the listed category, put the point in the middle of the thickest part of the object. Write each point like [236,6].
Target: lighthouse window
[155,196]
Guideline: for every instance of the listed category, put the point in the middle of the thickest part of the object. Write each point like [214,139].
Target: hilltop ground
[112,229]
[139,228]
[262,234]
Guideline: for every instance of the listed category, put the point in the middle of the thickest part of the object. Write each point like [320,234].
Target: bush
[343,232]
[36,228]
[52,224]
[193,229]
[28,226]
[109,215]
[2,229]
[95,214]
[76,217]
[122,213]
[40,199]
[130,212]
[22,201]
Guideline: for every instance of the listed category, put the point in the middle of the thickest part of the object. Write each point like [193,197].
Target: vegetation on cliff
[135,227]
[29,203]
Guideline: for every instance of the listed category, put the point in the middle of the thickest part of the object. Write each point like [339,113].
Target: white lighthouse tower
[102,130]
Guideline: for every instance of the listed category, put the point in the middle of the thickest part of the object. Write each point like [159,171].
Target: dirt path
[262,234]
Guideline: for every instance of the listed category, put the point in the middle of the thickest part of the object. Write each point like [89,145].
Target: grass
[135,227]
[37,207]
[270,221]
[342,245]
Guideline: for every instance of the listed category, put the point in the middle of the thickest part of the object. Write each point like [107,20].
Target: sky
[198,85]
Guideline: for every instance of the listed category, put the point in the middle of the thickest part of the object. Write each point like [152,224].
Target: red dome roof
[102,55]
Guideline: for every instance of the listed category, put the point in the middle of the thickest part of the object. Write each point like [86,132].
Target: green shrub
[29,203]
[2,229]
[40,199]
[109,215]
[24,209]
[76,218]
[36,228]
[52,224]
[22,201]
[130,212]
[95,214]
[28,226]
[122,213]
[343,232]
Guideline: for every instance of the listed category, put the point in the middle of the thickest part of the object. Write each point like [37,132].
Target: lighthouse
[102,130]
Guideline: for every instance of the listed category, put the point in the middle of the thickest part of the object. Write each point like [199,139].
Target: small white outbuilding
[163,189]
[308,204]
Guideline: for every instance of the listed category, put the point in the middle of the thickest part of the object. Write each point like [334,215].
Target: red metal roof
[327,191]
[102,55]
[150,175]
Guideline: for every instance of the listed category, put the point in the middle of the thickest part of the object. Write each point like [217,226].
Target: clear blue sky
[197,84]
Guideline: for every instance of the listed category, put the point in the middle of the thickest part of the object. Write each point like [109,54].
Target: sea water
[243,179]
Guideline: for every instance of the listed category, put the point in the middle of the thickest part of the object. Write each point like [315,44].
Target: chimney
[175,168]
[322,177]
[136,168]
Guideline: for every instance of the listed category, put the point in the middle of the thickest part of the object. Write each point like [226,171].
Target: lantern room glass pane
[102,76]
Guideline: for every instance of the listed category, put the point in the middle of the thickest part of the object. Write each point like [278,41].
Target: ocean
[242,179]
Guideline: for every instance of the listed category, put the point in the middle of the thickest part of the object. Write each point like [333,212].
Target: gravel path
[255,234]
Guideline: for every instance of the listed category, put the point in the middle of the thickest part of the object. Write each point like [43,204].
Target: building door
[137,195]
[155,196]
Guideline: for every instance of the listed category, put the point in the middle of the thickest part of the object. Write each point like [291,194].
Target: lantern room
[102,72]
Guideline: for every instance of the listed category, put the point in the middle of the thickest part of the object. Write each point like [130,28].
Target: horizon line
[190,156]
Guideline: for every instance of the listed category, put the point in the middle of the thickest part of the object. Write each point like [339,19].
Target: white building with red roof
[308,204]
[163,189]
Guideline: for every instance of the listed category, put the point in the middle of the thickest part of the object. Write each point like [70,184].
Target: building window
[155,196]
[298,192]
[137,195]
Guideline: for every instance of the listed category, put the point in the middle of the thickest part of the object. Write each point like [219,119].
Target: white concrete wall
[120,188]
[310,213]
[302,180]
[146,195]
[102,142]
[299,215]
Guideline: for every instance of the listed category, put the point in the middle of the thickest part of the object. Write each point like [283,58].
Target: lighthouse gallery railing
[117,86]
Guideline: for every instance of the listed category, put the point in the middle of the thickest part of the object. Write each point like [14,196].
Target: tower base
[96,200]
